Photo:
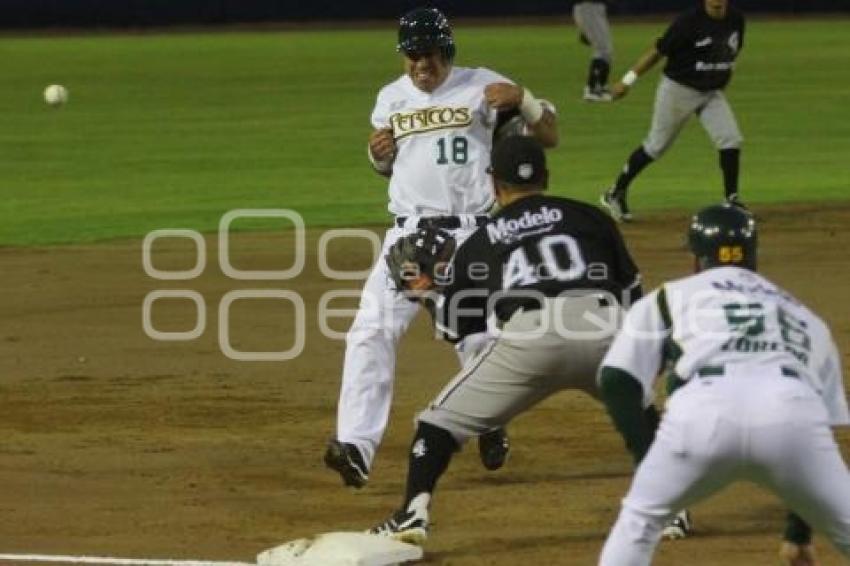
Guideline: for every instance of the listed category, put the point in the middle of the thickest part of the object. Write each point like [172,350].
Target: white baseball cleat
[597,94]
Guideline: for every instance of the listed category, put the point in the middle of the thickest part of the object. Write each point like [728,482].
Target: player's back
[732,317]
[542,246]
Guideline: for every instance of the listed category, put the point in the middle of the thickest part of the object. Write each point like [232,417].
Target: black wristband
[797,531]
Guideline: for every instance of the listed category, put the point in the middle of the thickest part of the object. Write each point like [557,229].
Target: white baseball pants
[383,317]
[765,428]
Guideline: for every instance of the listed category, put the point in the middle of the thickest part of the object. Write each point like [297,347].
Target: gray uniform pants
[675,103]
[592,19]
[538,353]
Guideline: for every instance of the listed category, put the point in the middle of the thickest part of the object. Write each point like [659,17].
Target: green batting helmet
[423,29]
[723,234]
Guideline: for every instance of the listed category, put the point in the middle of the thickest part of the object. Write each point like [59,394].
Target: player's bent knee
[654,150]
[728,140]
[460,431]
[641,524]
[729,143]
[607,56]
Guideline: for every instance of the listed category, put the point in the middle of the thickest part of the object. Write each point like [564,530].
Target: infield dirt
[112,443]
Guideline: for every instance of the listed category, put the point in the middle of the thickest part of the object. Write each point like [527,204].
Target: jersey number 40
[561,260]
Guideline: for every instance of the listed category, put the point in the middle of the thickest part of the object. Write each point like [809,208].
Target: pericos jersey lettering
[429,119]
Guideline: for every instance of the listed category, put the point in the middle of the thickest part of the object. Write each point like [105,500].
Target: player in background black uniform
[701,46]
[591,18]
[553,272]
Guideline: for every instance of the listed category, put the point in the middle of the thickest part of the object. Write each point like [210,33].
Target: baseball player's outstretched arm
[541,120]
[644,63]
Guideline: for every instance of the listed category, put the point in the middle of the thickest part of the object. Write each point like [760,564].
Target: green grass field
[171,131]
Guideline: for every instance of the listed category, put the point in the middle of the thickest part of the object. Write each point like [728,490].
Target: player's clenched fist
[619,90]
[382,144]
[503,96]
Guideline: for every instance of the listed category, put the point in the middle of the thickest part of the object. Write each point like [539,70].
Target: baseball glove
[417,261]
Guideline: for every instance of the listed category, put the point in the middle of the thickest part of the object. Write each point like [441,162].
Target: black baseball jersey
[538,246]
[700,50]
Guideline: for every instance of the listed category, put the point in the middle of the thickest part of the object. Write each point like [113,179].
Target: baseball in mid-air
[56,95]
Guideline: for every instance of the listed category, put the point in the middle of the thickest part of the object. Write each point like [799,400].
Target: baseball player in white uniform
[433,132]
[757,385]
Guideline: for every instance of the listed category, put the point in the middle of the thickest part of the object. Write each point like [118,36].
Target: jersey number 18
[457,150]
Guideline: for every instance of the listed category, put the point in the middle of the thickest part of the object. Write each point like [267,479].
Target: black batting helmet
[423,29]
[723,234]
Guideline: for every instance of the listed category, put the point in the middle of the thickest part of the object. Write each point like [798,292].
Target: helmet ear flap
[449,52]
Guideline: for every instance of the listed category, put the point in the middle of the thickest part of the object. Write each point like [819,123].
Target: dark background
[22,14]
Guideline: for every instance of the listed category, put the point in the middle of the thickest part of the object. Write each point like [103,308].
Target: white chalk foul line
[115,561]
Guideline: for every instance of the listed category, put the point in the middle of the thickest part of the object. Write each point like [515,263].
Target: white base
[340,549]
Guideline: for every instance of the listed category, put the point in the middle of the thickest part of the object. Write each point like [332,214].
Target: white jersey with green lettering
[443,142]
[725,318]
[762,387]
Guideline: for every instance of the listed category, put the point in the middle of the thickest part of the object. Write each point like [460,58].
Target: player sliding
[701,47]
[757,381]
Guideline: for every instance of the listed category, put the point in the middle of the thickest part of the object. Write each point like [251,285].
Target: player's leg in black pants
[615,197]
[597,76]
[730,160]
[430,453]
[638,160]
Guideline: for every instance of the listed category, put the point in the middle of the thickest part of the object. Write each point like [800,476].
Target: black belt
[445,222]
[710,371]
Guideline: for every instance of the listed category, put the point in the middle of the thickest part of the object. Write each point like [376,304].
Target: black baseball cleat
[408,525]
[616,204]
[346,460]
[494,447]
[680,526]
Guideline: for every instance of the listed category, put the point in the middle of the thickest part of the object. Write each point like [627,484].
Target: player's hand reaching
[619,90]
[503,96]
[382,144]
[791,554]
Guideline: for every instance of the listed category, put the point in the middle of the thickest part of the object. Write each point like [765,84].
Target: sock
[730,160]
[637,161]
[430,453]
[597,77]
